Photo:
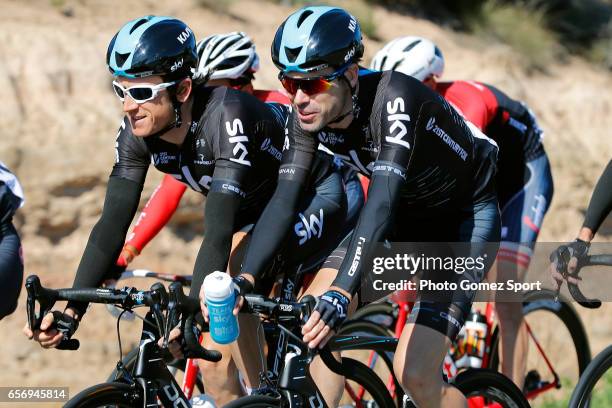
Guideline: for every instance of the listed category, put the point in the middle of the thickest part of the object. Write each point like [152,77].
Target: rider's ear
[352,74]
[183,89]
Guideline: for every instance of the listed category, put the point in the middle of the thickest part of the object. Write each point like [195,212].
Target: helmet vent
[412,45]
[292,53]
[121,58]
[303,17]
[138,24]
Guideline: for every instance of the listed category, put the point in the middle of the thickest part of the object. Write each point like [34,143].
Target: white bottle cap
[218,286]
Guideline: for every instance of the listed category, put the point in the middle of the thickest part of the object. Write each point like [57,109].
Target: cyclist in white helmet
[524,180]
[414,56]
[230,60]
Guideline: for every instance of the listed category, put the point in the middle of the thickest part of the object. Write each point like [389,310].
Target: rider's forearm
[374,221]
[601,201]
[107,236]
[272,227]
[219,215]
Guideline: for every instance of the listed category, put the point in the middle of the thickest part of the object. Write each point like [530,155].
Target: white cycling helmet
[226,56]
[414,56]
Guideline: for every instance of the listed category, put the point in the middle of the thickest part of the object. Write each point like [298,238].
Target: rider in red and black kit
[523,181]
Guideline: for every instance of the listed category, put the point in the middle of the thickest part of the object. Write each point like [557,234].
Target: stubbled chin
[310,126]
[139,128]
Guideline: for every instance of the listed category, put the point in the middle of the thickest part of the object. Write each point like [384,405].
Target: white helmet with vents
[226,56]
[414,56]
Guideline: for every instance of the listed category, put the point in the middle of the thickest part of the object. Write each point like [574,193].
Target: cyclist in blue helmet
[220,142]
[431,180]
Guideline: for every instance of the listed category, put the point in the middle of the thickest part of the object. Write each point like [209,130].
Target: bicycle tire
[359,373]
[365,326]
[107,395]
[255,401]
[492,386]
[366,312]
[543,300]
[129,362]
[368,379]
[595,370]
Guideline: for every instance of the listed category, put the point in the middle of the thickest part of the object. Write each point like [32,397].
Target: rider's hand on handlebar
[243,284]
[564,261]
[48,335]
[174,343]
[329,313]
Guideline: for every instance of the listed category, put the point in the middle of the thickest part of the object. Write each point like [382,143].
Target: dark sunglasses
[310,86]
[140,93]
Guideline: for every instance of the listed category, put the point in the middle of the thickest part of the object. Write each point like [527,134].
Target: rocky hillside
[59,117]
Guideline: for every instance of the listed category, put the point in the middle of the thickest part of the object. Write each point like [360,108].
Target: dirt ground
[59,118]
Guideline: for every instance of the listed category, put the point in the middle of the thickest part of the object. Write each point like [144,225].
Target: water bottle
[468,349]
[220,299]
[475,336]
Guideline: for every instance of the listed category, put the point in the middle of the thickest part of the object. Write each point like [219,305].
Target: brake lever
[45,300]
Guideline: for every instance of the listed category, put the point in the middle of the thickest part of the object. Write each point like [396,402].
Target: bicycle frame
[449,368]
[154,377]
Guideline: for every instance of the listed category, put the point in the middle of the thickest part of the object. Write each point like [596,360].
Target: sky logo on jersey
[122,127]
[397,122]
[438,131]
[236,132]
[306,229]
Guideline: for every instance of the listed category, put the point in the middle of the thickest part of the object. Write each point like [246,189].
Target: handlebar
[562,260]
[127,298]
[157,299]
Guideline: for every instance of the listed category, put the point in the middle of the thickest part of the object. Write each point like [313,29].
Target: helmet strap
[354,103]
[176,123]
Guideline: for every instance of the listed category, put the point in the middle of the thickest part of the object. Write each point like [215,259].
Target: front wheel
[593,373]
[558,350]
[107,395]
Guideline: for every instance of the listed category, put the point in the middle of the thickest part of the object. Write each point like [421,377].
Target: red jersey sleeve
[157,212]
[473,100]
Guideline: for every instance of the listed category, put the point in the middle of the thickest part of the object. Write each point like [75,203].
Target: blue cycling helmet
[153,45]
[315,38]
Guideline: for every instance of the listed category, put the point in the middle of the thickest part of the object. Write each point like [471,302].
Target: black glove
[242,285]
[65,324]
[333,308]
[561,256]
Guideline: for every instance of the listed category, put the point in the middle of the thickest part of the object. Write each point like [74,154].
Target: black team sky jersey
[421,157]
[231,154]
